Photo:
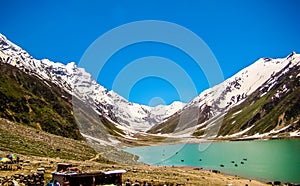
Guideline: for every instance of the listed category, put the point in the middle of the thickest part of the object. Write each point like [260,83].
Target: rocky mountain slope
[43,105]
[80,84]
[258,80]
[271,111]
[37,117]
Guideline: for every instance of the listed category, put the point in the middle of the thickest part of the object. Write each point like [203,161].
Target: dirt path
[96,157]
[99,155]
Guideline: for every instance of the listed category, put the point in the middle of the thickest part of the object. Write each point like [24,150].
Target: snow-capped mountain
[212,104]
[271,111]
[235,89]
[202,113]
[79,83]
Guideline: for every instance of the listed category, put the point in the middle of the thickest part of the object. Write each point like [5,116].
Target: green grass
[241,119]
[199,133]
[111,128]
[166,127]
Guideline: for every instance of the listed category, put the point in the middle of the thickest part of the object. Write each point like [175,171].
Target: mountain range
[259,101]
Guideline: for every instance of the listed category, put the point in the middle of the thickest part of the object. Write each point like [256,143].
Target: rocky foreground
[156,175]
[38,149]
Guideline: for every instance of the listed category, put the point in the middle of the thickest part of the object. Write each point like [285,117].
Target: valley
[59,113]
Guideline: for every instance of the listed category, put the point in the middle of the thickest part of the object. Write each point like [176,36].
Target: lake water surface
[265,160]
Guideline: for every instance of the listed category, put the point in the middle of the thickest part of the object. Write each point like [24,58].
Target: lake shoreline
[265,160]
[193,140]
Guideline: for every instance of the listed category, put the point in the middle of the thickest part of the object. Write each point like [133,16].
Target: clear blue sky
[237,32]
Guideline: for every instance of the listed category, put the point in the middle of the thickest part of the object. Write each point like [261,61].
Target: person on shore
[15,183]
[127,183]
[136,183]
[56,183]
[50,183]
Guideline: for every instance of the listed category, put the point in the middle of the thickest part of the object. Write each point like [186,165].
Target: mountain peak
[80,83]
[2,37]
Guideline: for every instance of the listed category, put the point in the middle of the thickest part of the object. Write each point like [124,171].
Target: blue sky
[237,32]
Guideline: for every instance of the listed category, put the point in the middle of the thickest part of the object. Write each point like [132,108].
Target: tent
[5,160]
[12,157]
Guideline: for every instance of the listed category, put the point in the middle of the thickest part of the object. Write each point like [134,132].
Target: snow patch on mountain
[235,89]
[214,102]
[79,83]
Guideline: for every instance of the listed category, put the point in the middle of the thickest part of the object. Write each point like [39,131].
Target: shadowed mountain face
[43,105]
[28,100]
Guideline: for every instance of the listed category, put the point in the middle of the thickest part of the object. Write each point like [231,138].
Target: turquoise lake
[264,160]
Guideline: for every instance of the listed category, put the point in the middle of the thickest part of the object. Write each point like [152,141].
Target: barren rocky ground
[157,175]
